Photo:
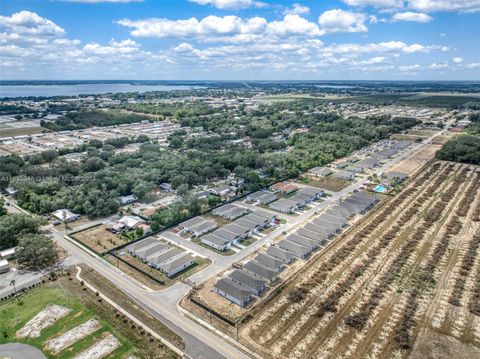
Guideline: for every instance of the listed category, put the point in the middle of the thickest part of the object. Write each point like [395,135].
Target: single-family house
[260,270]
[254,283]
[65,215]
[234,292]
[283,255]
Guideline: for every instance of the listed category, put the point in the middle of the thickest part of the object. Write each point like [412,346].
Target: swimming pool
[380,188]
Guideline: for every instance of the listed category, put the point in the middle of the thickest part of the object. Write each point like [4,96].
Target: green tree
[36,251]
[13,226]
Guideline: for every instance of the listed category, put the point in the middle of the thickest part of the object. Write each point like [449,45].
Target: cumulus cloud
[375,3]
[338,20]
[229,4]
[412,16]
[113,48]
[436,66]
[228,28]
[445,5]
[457,60]
[409,68]
[29,23]
[297,9]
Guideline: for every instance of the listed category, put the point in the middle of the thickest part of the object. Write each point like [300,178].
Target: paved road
[20,351]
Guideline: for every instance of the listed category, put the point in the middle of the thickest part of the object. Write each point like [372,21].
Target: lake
[83,89]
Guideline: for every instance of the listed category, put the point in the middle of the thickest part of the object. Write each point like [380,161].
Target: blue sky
[240,39]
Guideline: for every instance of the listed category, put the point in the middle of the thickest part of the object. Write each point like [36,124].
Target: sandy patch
[58,344]
[101,348]
[49,315]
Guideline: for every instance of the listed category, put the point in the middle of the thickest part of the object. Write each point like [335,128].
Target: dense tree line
[462,148]
[90,118]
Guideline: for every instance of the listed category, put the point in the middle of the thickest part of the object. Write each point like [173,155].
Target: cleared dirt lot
[98,238]
[410,269]
[415,162]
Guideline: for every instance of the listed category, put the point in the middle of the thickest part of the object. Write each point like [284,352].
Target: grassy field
[21,131]
[14,316]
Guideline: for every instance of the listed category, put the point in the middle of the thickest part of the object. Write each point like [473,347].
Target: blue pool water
[380,188]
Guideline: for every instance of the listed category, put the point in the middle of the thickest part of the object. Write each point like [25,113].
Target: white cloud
[338,20]
[445,5]
[412,16]
[113,48]
[409,68]
[228,28]
[436,66]
[297,9]
[473,65]
[230,4]
[375,3]
[457,60]
[382,47]
[29,23]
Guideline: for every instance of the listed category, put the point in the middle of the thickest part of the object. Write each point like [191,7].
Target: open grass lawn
[13,316]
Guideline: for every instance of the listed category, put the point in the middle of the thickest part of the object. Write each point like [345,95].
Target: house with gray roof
[320,172]
[281,254]
[202,228]
[322,232]
[284,205]
[297,250]
[245,223]
[270,262]
[227,235]
[262,197]
[216,242]
[248,280]
[230,211]
[150,249]
[140,244]
[259,269]
[157,258]
[344,175]
[305,238]
[327,217]
[234,292]
[242,232]
[176,264]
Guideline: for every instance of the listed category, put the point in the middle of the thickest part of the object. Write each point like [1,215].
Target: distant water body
[83,89]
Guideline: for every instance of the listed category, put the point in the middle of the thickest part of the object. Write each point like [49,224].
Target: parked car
[56,223]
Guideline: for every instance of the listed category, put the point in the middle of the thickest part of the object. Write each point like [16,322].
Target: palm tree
[12,283]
